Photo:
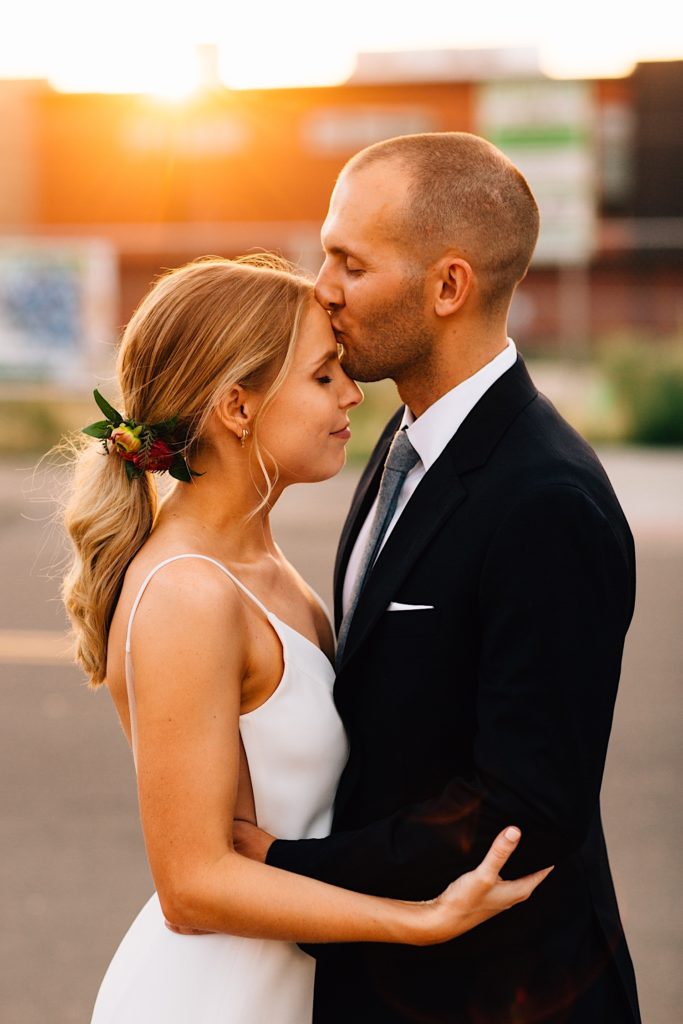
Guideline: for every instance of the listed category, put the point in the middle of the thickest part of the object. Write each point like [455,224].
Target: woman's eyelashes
[324,380]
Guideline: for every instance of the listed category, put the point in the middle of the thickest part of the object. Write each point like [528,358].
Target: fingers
[520,889]
[481,894]
[489,870]
[502,847]
[531,882]
[180,929]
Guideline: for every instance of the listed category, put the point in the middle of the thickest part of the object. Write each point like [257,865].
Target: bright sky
[150,45]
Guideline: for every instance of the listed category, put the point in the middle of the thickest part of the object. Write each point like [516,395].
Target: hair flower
[144,447]
[157,459]
[125,440]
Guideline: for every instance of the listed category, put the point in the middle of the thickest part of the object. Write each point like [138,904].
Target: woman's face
[306,427]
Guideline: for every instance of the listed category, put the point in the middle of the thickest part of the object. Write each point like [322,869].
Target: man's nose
[327,291]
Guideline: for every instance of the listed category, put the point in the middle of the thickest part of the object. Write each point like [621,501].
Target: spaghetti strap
[175,558]
[130,689]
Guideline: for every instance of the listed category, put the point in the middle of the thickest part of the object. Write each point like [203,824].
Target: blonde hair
[200,330]
[465,194]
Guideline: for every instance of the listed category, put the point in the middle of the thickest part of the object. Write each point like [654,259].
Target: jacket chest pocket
[414,623]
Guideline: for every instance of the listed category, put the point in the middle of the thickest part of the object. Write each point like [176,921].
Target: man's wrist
[272,851]
[251,841]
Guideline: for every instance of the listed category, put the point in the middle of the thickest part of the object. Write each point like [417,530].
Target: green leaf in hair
[109,411]
[100,430]
[180,470]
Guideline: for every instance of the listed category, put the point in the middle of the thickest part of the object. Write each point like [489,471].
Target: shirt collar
[430,433]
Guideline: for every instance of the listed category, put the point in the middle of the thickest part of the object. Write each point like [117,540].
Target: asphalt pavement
[72,865]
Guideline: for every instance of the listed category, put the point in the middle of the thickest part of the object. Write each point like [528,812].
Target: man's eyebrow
[340,250]
[336,250]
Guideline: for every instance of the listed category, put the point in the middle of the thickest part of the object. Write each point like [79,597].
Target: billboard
[546,128]
[57,308]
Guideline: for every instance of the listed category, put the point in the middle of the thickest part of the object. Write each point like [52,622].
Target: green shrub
[35,423]
[647,383]
[370,417]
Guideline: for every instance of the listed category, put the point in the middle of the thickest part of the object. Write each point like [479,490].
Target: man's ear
[454,282]
[236,411]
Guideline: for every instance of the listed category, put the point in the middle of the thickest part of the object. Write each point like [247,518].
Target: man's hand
[251,841]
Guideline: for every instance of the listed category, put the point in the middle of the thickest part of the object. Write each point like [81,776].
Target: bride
[217,653]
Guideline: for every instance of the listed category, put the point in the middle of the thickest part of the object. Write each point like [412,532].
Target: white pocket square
[396,606]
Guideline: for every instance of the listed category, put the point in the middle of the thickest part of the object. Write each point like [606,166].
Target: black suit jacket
[494,708]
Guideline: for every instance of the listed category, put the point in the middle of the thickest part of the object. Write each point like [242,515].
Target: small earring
[245,435]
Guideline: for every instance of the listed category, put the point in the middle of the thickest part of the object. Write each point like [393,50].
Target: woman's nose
[352,394]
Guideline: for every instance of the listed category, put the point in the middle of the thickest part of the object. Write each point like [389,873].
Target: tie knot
[402,456]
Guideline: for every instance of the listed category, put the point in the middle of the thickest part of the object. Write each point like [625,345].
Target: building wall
[228,157]
[231,171]
[19,165]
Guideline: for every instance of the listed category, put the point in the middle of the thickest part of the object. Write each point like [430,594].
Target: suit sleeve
[555,599]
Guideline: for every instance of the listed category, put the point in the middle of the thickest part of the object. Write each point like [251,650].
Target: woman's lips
[344,434]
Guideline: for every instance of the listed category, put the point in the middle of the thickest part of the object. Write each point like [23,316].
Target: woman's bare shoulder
[186,596]
[193,586]
[179,576]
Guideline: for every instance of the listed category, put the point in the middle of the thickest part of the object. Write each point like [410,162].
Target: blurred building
[163,182]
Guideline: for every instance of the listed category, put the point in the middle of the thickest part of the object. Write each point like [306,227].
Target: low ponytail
[200,330]
[108,518]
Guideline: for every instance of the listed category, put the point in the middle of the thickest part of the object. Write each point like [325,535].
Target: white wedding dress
[296,749]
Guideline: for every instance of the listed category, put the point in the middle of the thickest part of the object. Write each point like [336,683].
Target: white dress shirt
[429,434]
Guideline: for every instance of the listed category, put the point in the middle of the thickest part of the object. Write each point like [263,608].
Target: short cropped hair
[464,194]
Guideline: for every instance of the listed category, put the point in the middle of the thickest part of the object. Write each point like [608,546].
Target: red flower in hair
[139,444]
[158,458]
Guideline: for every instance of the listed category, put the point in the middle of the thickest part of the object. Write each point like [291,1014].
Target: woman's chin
[325,469]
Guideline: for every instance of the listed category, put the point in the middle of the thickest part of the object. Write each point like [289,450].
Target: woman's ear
[454,282]
[236,411]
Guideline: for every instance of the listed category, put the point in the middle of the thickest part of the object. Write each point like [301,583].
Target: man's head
[423,232]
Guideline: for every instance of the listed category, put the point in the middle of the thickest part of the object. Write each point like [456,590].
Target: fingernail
[512,833]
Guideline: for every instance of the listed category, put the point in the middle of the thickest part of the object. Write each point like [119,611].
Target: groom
[483,593]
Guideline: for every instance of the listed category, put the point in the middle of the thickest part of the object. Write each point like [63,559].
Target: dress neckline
[275,621]
[316,647]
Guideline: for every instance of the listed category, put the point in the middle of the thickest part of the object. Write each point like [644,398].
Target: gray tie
[400,460]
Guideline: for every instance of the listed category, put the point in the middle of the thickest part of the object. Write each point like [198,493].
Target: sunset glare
[153,47]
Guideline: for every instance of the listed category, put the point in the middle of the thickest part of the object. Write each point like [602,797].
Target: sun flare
[149,46]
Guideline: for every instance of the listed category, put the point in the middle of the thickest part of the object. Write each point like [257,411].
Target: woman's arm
[191,649]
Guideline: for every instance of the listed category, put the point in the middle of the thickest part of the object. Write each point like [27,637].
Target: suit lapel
[365,494]
[439,490]
[437,496]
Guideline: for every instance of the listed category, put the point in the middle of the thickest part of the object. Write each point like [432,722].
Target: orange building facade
[230,171]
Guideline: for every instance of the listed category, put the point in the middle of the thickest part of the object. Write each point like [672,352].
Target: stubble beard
[395,342]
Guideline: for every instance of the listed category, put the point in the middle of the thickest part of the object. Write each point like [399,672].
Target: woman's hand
[479,894]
